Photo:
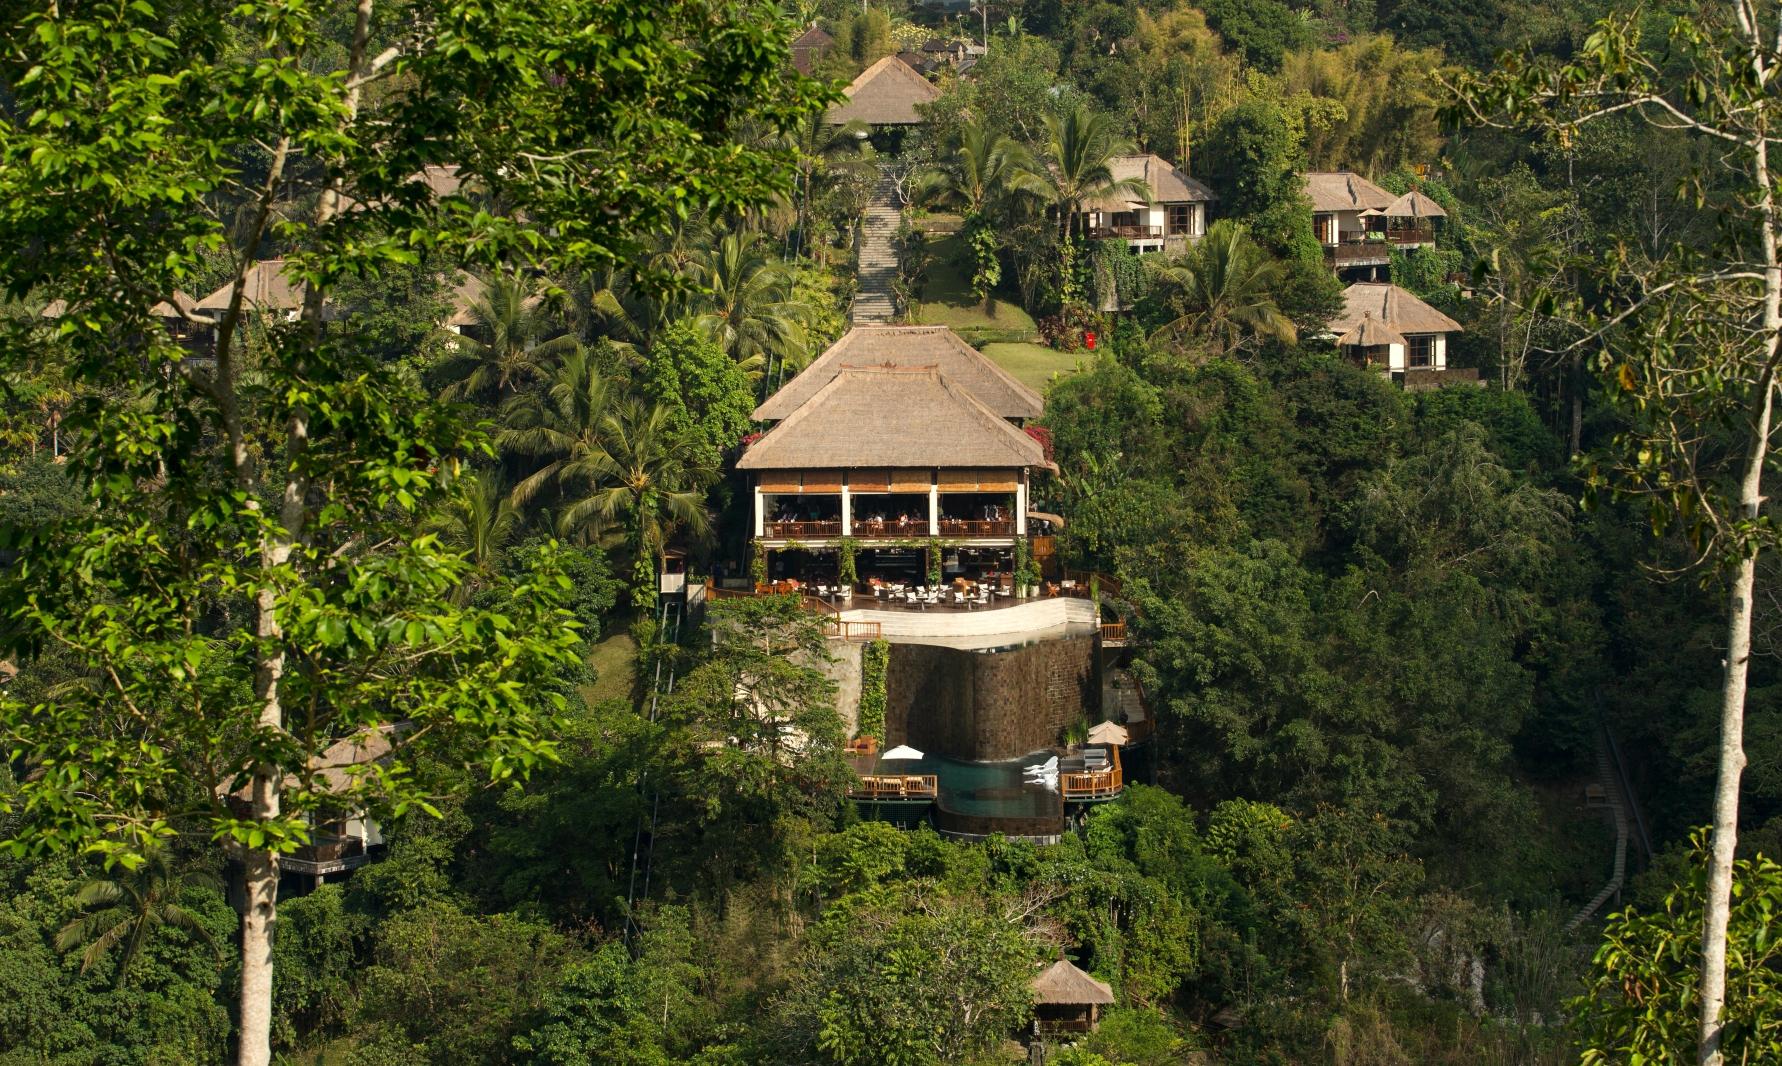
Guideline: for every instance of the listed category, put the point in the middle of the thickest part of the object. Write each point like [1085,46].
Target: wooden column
[933,507]
[760,516]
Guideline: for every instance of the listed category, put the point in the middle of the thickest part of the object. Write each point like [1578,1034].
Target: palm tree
[987,168]
[645,485]
[747,305]
[1079,149]
[561,425]
[607,304]
[130,907]
[820,147]
[479,518]
[1223,291]
[513,342]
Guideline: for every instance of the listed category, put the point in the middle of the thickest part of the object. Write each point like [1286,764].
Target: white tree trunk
[260,874]
[1740,607]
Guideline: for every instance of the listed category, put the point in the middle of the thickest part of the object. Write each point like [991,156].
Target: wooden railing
[1131,233]
[822,527]
[1113,632]
[857,632]
[328,854]
[879,527]
[896,786]
[1094,784]
[977,527]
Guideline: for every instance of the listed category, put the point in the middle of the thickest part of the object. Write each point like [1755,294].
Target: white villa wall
[1399,359]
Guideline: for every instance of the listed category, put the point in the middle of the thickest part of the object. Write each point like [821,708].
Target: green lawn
[1033,364]
[615,668]
[947,298]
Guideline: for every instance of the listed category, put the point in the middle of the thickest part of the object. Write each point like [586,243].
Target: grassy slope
[947,298]
[1033,364]
[615,664]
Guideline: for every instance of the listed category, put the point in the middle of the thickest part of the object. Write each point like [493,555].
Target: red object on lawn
[1089,339]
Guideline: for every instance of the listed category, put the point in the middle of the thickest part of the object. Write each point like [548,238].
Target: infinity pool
[985,789]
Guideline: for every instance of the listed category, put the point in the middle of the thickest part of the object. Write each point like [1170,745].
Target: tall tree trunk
[260,870]
[1740,610]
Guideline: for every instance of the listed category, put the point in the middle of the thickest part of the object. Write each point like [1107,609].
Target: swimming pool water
[985,789]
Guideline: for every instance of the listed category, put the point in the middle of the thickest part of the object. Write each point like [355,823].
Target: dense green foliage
[1378,632]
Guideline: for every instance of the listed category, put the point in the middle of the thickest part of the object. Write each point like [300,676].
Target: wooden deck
[895,787]
[1095,784]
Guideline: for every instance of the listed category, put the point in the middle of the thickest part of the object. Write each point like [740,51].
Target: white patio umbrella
[1108,733]
[902,751]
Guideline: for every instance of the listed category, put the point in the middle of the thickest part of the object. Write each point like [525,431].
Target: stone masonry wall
[988,705]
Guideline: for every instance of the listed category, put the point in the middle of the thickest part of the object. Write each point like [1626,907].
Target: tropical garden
[1389,638]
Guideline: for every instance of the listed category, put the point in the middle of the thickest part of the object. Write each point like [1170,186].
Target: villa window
[1181,220]
[1422,351]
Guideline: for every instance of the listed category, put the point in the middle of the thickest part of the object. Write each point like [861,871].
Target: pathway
[1611,783]
[878,258]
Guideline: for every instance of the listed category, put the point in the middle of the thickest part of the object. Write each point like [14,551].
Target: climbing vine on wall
[875,658]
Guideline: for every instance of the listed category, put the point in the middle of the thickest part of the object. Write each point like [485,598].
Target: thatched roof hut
[1370,333]
[1392,307]
[897,417]
[1415,205]
[908,346]
[1343,190]
[1065,999]
[1167,184]
[885,94]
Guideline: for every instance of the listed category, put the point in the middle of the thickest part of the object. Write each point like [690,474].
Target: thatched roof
[1167,182]
[1342,190]
[886,416]
[1392,307]
[269,287]
[1370,332]
[908,346]
[810,46]
[1415,205]
[333,763]
[814,36]
[1063,985]
[179,305]
[885,94]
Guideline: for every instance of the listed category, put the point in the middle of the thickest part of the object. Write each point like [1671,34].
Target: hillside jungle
[1386,635]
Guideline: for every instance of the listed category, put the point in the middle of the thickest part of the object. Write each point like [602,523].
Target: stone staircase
[1611,786]
[878,258]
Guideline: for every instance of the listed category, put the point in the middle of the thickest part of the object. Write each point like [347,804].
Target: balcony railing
[1129,233]
[1377,245]
[896,786]
[329,854]
[977,527]
[819,528]
[1091,784]
[880,527]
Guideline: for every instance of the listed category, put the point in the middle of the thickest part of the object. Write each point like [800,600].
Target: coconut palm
[513,342]
[747,304]
[127,909]
[1079,150]
[561,425]
[987,168]
[821,147]
[479,518]
[641,488]
[607,303]
[1223,292]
